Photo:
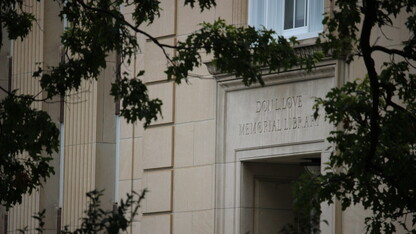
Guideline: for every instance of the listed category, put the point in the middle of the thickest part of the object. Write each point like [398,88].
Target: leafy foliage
[374,141]
[97,220]
[28,137]
[96,29]
[307,212]
[244,51]
[374,158]
[134,92]
[146,11]
[203,4]
[373,180]
[17,23]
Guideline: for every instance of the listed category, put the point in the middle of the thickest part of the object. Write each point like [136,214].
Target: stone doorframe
[228,167]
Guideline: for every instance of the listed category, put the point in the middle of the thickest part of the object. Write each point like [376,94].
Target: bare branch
[6,91]
[393,52]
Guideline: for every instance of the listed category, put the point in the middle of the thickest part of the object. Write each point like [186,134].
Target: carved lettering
[285,117]
[277,125]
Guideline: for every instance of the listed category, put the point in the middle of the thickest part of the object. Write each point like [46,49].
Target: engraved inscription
[279,114]
[279,104]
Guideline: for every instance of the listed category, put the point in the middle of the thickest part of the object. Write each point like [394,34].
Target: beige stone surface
[194,144]
[126,67]
[137,186]
[356,69]
[224,10]
[155,62]
[184,145]
[203,222]
[80,115]
[197,222]
[139,58]
[100,113]
[229,186]
[159,185]
[126,159]
[165,25]
[138,129]
[227,217]
[277,114]
[182,223]
[79,178]
[20,214]
[107,116]
[204,146]
[189,19]
[190,193]
[189,145]
[105,172]
[135,227]
[240,12]
[137,158]
[157,147]
[164,92]
[392,35]
[273,204]
[124,187]
[126,129]
[202,104]
[353,220]
[156,224]
[138,189]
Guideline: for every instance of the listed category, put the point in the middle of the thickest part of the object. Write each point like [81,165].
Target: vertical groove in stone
[26,54]
[80,154]
[80,115]
[240,12]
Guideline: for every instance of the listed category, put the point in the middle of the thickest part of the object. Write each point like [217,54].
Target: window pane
[289,14]
[274,19]
[257,13]
[316,11]
[300,19]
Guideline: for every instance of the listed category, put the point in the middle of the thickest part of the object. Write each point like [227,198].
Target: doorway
[272,204]
[266,196]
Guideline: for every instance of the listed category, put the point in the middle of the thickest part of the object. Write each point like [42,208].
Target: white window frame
[294,31]
[269,12]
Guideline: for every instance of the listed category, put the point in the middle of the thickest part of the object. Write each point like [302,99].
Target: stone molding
[228,184]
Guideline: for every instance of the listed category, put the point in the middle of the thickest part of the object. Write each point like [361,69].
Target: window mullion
[282,15]
[305,20]
[294,13]
[266,20]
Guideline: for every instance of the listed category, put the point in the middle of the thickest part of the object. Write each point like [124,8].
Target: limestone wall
[29,52]
[193,159]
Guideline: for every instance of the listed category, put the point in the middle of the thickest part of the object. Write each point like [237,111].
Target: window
[300,18]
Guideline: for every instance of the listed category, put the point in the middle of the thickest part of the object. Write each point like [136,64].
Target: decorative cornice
[301,50]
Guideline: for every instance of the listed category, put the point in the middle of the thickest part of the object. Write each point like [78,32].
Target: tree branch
[134,28]
[393,52]
[369,11]
[394,181]
[5,90]
[396,106]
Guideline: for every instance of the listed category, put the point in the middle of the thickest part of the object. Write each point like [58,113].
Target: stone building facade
[222,158]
